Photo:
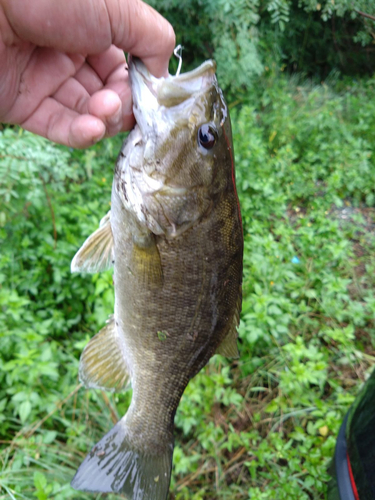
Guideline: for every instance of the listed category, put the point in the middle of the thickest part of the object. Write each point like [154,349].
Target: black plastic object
[342,466]
[353,468]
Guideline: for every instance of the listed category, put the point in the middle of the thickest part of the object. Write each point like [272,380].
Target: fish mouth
[172,90]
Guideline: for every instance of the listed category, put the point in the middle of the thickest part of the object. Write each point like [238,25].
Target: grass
[263,426]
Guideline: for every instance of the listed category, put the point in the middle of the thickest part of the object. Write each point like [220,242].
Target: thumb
[90,27]
[138,29]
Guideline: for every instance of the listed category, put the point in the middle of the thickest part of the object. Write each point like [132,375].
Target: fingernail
[99,137]
[116,118]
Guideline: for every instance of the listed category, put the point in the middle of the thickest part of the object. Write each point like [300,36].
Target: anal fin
[96,254]
[102,364]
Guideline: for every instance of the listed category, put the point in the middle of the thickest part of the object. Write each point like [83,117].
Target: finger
[108,64]
[111,104]
[71,26]
[124,93]
[91,27]
[139,29]
[105,63]
[73,95]
[89,79]
[107,106]
[119,82]
[64,126]
[111,68]
[45,73]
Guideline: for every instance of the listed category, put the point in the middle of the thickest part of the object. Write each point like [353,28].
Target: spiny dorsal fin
[102,364]
[96,254]
[228,346]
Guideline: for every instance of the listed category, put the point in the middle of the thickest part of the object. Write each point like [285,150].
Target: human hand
[62,65]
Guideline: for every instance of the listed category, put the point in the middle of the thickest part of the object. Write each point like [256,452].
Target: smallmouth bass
[174,238]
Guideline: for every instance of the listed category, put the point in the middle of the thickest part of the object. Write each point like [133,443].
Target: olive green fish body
[177,250]
[173,328]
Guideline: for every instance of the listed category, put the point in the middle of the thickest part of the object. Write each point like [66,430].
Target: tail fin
[113,466]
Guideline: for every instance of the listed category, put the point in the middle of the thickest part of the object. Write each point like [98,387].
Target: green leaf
[40,480]
[24,410]
[49,437]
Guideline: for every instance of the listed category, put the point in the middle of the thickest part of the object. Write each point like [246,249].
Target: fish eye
[207,136]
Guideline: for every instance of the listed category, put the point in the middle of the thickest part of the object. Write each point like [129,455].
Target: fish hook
[178,53]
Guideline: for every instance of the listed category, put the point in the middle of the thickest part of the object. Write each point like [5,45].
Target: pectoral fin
[96,254]
[102,364]
[146,259]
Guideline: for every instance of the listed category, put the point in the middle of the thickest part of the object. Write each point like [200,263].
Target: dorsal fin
[102,364]
[228,346]
[96,254]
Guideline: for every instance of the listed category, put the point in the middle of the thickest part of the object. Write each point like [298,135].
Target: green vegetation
[246,37]
[263,426]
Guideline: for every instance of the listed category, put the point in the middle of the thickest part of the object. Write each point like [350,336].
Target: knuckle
[170,41]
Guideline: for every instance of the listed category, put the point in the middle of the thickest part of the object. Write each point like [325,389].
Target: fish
[174,239]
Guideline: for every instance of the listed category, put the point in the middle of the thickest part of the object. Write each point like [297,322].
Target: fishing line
[178,53]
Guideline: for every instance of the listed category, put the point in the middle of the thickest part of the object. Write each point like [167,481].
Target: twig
[22,158]
[187,480]
[217,478]
[30,432]
[74,407]
[369,16]
[235,458]
[292,414]
[192,476]
[57,407]
[51,210]
[114,415]
[238,464]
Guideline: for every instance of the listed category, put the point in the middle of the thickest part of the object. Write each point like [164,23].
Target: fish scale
[174,235]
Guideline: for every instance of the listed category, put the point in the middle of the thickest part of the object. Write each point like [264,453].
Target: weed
[263,426]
